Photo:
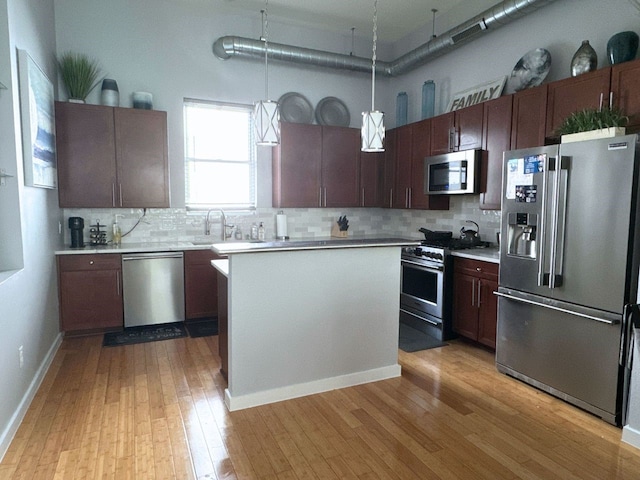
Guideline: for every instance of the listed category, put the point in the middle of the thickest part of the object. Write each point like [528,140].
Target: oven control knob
[438,256]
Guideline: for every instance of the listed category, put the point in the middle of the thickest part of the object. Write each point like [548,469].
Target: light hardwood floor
[156,411]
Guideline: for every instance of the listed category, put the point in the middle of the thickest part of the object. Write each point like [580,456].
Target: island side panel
[311,315]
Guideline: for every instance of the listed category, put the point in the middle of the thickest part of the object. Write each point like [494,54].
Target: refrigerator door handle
[631,317]
[543,276]
[557,252]
[554,307]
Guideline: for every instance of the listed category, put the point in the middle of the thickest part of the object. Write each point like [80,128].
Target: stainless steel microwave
[452,173]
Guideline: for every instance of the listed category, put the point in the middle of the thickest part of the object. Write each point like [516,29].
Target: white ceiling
[396,18]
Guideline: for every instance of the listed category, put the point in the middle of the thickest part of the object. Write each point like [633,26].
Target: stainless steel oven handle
[430,266]
[559,309]
[421,318]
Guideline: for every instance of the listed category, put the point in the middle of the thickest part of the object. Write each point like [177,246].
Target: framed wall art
[38,128]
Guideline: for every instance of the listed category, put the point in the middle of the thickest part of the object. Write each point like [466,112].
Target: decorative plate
[332,111]
[530,70]
[295,108]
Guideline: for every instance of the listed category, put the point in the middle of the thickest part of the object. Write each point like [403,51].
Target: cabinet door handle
[409,197]
[601,99]
[478,269]
[363,197]
[610,100]
[91,262]
[391,198]
[473,292]
[479,299]
[118,283]
[320,197]
[325,196]
[113,194]
[120,188]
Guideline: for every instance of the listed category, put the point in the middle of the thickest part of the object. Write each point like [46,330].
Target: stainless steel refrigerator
[569,270]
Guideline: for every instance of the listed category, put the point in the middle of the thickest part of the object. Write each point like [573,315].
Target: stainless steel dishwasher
[153,288]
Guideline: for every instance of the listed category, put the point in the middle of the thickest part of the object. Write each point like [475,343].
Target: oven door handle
[420,317]
[429,266]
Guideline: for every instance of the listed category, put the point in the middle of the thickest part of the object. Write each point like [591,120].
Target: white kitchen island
[310,316]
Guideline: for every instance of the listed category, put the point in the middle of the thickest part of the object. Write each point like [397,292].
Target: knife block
[336,232]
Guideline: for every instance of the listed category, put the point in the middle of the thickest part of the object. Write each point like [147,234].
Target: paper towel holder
[281,226]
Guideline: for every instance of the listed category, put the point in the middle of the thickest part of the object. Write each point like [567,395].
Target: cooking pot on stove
[430,235]
[470,236]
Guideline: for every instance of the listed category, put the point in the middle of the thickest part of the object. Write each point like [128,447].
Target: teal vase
[622,47]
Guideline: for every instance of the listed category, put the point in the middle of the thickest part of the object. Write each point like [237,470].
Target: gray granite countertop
[230,248]
[486,254]
[225,248]
[135,248]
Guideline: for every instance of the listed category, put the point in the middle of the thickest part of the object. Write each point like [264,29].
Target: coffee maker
[76,225]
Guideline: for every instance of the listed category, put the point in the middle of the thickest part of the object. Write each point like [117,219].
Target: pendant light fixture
[373,121]
[266,115]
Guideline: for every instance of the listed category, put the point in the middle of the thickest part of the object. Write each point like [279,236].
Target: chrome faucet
[223,221]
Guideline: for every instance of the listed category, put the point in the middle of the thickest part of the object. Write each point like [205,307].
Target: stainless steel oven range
[425,294]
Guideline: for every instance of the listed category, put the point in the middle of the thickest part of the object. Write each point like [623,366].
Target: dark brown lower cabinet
[475,307]
[200,284]
[90,292]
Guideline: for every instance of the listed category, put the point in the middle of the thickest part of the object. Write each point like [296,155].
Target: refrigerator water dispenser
[522,230]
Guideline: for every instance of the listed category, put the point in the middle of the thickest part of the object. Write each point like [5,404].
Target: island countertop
[227,248]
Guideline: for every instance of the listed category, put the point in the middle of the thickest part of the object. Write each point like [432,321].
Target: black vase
[622,47]
[584,60]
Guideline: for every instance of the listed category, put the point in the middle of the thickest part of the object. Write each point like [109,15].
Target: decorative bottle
[428,99]
[584,60]
[622,47]
[261,234]
[402,105]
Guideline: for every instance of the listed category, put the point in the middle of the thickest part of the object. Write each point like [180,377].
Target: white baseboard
[631,436]
[17,417]
[309,388]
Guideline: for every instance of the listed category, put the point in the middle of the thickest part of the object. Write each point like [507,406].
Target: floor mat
[202,328]
[412,340]
[145,333]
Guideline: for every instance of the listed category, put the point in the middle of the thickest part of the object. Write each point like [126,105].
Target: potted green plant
[593,123]
[80,75]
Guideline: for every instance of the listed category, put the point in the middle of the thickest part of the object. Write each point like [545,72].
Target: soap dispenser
[261,234]
[117,233]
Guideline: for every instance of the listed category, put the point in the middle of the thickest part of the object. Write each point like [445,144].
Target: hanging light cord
[266,50]
[373,58]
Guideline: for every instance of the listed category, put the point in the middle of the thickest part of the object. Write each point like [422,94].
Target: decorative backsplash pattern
[173,224]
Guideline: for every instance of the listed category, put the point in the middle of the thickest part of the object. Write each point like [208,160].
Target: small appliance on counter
[76,225]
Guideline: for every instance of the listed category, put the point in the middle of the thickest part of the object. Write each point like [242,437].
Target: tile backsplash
[172,224]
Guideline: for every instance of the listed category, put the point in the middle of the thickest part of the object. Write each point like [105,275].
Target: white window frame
[251,161]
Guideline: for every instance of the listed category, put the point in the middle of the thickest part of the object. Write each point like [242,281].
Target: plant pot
[593,134]
[76,100]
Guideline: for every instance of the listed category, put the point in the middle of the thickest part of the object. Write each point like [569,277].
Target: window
[220,156]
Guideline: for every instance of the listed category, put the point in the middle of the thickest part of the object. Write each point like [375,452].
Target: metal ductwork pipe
[227,47]
[501,14]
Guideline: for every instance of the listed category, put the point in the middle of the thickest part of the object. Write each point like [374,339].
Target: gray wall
[164,46]
[28,298]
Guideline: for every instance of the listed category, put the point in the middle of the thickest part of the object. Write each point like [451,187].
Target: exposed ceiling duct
[501,14]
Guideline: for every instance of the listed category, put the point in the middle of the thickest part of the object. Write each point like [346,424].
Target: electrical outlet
[21,354]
